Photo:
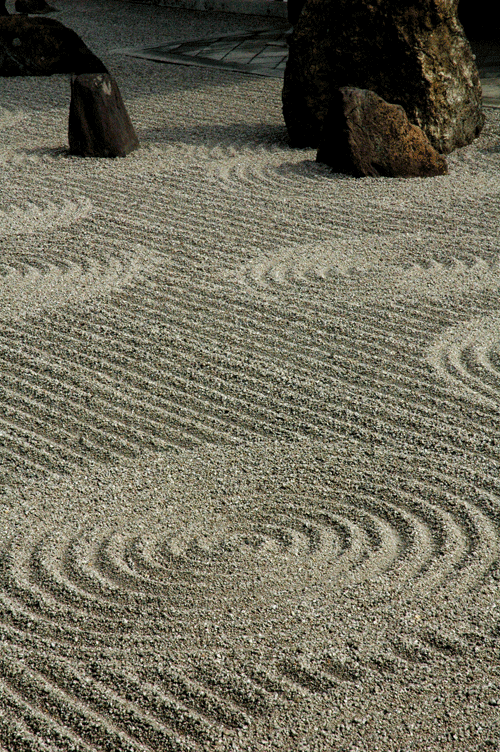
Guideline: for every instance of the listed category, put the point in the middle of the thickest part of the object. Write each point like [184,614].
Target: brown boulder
[414,54]
[365,136]
[42,47]
[99,125]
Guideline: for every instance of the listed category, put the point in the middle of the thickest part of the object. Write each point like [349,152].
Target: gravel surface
[249,426]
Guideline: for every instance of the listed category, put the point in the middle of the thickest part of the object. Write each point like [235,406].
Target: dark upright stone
[99,125]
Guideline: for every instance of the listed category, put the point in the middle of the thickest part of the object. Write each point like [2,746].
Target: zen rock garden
[99,125]
[379,87]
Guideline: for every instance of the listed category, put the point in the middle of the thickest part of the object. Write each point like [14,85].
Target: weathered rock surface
[365,136]
[32,6]
[42,47]
[99,125]
[414,54]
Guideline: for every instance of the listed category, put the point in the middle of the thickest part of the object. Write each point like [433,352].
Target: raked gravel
[249,426]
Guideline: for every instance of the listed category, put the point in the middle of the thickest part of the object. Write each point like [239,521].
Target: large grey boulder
[365,136]
[411,53]
[99,125]
[42,47]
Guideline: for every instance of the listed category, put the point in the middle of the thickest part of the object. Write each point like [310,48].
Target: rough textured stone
[99,125]
[364,135]
[32,6]
[414,54]
[42,47]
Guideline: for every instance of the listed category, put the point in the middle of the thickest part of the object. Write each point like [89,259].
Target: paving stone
[265,53]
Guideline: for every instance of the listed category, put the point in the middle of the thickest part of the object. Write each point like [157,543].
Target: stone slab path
[260,53]
[264,52]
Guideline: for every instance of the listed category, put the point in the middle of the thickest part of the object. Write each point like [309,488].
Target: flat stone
[42,47]
[365,136]
[412,54]
[99,125]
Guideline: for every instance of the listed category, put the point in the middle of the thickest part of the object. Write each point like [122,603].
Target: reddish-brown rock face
[410,53]
[365,136]
[42,47]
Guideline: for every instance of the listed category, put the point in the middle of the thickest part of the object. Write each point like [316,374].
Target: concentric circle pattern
[249,428]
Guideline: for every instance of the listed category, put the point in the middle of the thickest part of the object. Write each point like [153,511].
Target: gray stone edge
[174,59]
[273,8]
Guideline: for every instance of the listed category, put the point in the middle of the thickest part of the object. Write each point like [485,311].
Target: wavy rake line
[223,402]
[10,117]
[194,191]
[151,711]
[366,264]
[35,218]
[467,358]
[378,342]
[86,708]
[171,692]
[270,176]
[378,346]
[26,290]
[128,703]
[25,727]
[220,399]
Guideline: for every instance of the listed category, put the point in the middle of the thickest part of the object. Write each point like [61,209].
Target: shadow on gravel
[236,134]
[44,151]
